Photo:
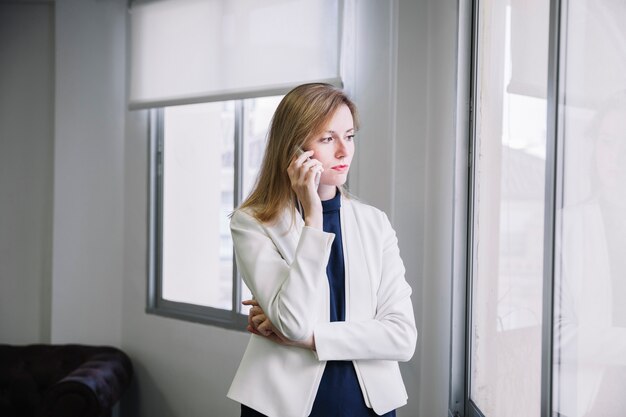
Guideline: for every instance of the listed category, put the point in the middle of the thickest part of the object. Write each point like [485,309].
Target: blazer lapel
[359,295]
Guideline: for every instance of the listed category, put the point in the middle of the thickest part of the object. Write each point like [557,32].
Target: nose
[340,149]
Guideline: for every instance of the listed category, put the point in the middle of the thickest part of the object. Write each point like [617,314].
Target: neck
[326,192]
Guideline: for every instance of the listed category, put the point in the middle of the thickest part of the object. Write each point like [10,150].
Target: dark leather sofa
[62,380]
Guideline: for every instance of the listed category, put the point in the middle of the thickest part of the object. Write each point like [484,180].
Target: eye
[350,137]
[326,139]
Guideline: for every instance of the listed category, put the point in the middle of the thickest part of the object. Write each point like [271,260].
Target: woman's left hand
[260,324]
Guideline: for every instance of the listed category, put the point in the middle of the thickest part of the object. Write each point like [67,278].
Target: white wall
[408,144]
[409,171]
[62,128]
[88,238]
[26,143]
[438,202]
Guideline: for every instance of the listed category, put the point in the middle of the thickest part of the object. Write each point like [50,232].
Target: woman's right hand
[302,172]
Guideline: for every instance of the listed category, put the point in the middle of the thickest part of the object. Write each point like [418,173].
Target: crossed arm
[280,313]
[260,324]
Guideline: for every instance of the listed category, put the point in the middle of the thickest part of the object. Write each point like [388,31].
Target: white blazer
[285,268]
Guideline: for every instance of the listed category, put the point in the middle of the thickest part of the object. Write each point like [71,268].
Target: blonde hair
[303,113]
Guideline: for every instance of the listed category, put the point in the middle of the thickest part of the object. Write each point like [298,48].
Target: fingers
[257,320]
[255,311]
[253,330]
[303,157]
[303,175]
[265,327]
[258,323]
[302,164]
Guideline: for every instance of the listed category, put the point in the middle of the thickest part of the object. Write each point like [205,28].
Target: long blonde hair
[302,113]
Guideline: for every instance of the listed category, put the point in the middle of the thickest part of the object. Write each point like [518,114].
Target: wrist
[314,223]
[314,220]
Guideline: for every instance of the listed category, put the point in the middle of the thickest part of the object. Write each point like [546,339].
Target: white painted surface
[88,239]
[26,143]
[438,203]
[410,173]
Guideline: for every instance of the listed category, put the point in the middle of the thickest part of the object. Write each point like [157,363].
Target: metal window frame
[553,200]
[460,363]
[156,304]
[463,190]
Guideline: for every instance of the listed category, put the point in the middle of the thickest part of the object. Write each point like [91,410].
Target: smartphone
[317,174]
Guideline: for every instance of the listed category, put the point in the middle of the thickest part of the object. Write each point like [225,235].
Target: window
[205,158]
[211,74]
[545,329]
[508,205]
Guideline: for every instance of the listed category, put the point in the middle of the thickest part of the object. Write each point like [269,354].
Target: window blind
[190,51]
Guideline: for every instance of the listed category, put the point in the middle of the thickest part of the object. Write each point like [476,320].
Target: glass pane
[508,233]
[258,114]
[590,282]
[198,179]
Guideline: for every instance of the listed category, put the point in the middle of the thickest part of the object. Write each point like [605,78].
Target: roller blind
[190,51]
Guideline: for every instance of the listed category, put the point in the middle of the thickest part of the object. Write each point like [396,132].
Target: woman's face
[334,148]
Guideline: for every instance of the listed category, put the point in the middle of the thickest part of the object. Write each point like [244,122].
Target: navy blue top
[339,394]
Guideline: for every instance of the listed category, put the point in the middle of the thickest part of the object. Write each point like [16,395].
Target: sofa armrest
[93,388]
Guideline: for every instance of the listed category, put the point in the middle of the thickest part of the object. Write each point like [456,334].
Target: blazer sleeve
[284,291]
[391,334]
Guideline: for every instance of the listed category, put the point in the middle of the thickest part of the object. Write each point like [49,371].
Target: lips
[340,168]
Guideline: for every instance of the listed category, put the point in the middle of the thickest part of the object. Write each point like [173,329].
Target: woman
[332,312]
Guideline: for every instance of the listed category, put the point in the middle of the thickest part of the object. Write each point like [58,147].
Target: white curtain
[189,51]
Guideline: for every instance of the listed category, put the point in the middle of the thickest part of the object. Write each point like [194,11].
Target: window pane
[590,282]
[258,114]
[508,233]
[198,179]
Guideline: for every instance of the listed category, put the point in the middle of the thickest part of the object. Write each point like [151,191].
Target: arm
[390,335]
[284,291]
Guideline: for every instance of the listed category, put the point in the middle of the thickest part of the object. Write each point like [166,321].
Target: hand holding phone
[308,199]
[317,174]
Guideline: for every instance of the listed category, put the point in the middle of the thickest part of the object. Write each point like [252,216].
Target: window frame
[460,403]
[230,319]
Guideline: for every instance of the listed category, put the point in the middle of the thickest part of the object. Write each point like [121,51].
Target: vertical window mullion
[473,154]
[551,203]
[155,262]
[462,221]
[238,192]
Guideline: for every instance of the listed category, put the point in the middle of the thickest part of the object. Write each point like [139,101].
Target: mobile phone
[317,174]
